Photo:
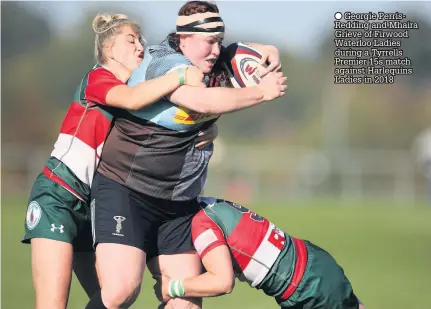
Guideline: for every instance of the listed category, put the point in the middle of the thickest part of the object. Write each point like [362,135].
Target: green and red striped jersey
[262,255]
[83,132]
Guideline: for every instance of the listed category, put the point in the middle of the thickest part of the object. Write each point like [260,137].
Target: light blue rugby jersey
[152,150]
[159,60]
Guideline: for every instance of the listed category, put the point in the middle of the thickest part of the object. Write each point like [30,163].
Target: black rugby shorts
[124,216]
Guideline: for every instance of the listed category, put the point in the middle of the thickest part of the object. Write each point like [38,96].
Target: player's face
[127,48]
[201,50]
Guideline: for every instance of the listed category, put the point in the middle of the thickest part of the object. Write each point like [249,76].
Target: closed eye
[131,38]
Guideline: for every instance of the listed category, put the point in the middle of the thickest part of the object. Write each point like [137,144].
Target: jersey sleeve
[206,234]
[100,81]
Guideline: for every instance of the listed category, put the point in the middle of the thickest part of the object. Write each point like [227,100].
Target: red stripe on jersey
[99,82]
[201,225]
[93,128]
[242,50]
[298,273]
[246,237]
[50,175]
[236,74]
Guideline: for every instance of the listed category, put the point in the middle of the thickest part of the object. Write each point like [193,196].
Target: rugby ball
[243,64]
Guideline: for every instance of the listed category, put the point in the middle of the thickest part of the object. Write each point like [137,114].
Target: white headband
[208,23]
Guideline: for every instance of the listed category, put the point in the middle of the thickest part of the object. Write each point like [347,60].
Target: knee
[120,295]
[184,303]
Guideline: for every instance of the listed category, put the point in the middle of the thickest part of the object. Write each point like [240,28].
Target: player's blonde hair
[106,26]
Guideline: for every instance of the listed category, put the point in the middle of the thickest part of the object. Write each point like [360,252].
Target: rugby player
[234,242]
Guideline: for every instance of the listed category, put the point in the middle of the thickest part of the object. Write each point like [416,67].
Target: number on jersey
[277,238]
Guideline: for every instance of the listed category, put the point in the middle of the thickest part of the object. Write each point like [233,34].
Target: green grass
[385,251]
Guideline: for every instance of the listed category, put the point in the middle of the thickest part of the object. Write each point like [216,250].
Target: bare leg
[120,269]
[178,266]
[52,271]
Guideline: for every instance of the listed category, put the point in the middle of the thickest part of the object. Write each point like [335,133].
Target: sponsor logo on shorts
[59,228]
[118,227]
[34,212]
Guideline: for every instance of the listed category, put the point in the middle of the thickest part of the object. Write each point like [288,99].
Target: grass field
[385,251]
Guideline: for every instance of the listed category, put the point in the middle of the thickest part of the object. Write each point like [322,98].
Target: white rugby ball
[243,63]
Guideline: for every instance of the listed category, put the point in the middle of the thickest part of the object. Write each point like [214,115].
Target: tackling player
[233,241]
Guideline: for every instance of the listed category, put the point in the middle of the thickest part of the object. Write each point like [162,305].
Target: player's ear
[107,50]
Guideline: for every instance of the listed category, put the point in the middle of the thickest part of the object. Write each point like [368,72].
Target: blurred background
[345,166]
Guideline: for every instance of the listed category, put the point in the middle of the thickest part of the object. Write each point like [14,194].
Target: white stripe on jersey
[262,260]
[99,152]
[204,240]
[79,157]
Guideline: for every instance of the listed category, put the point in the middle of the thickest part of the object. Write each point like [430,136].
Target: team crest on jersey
[186,116]
[34,212]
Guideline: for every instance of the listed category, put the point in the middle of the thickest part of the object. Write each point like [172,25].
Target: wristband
[176,288]
[181,75]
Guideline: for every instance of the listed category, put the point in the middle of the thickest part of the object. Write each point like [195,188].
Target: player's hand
[270,54]
[273,85]
[194,77]
[161,288]
[206,137]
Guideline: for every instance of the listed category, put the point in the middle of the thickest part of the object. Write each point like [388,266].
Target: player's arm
[216,100]
[206,137]
[143,94]
[270,54]
[219,278]
[220,100]
[210,243]
[104,88]
[149,91]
